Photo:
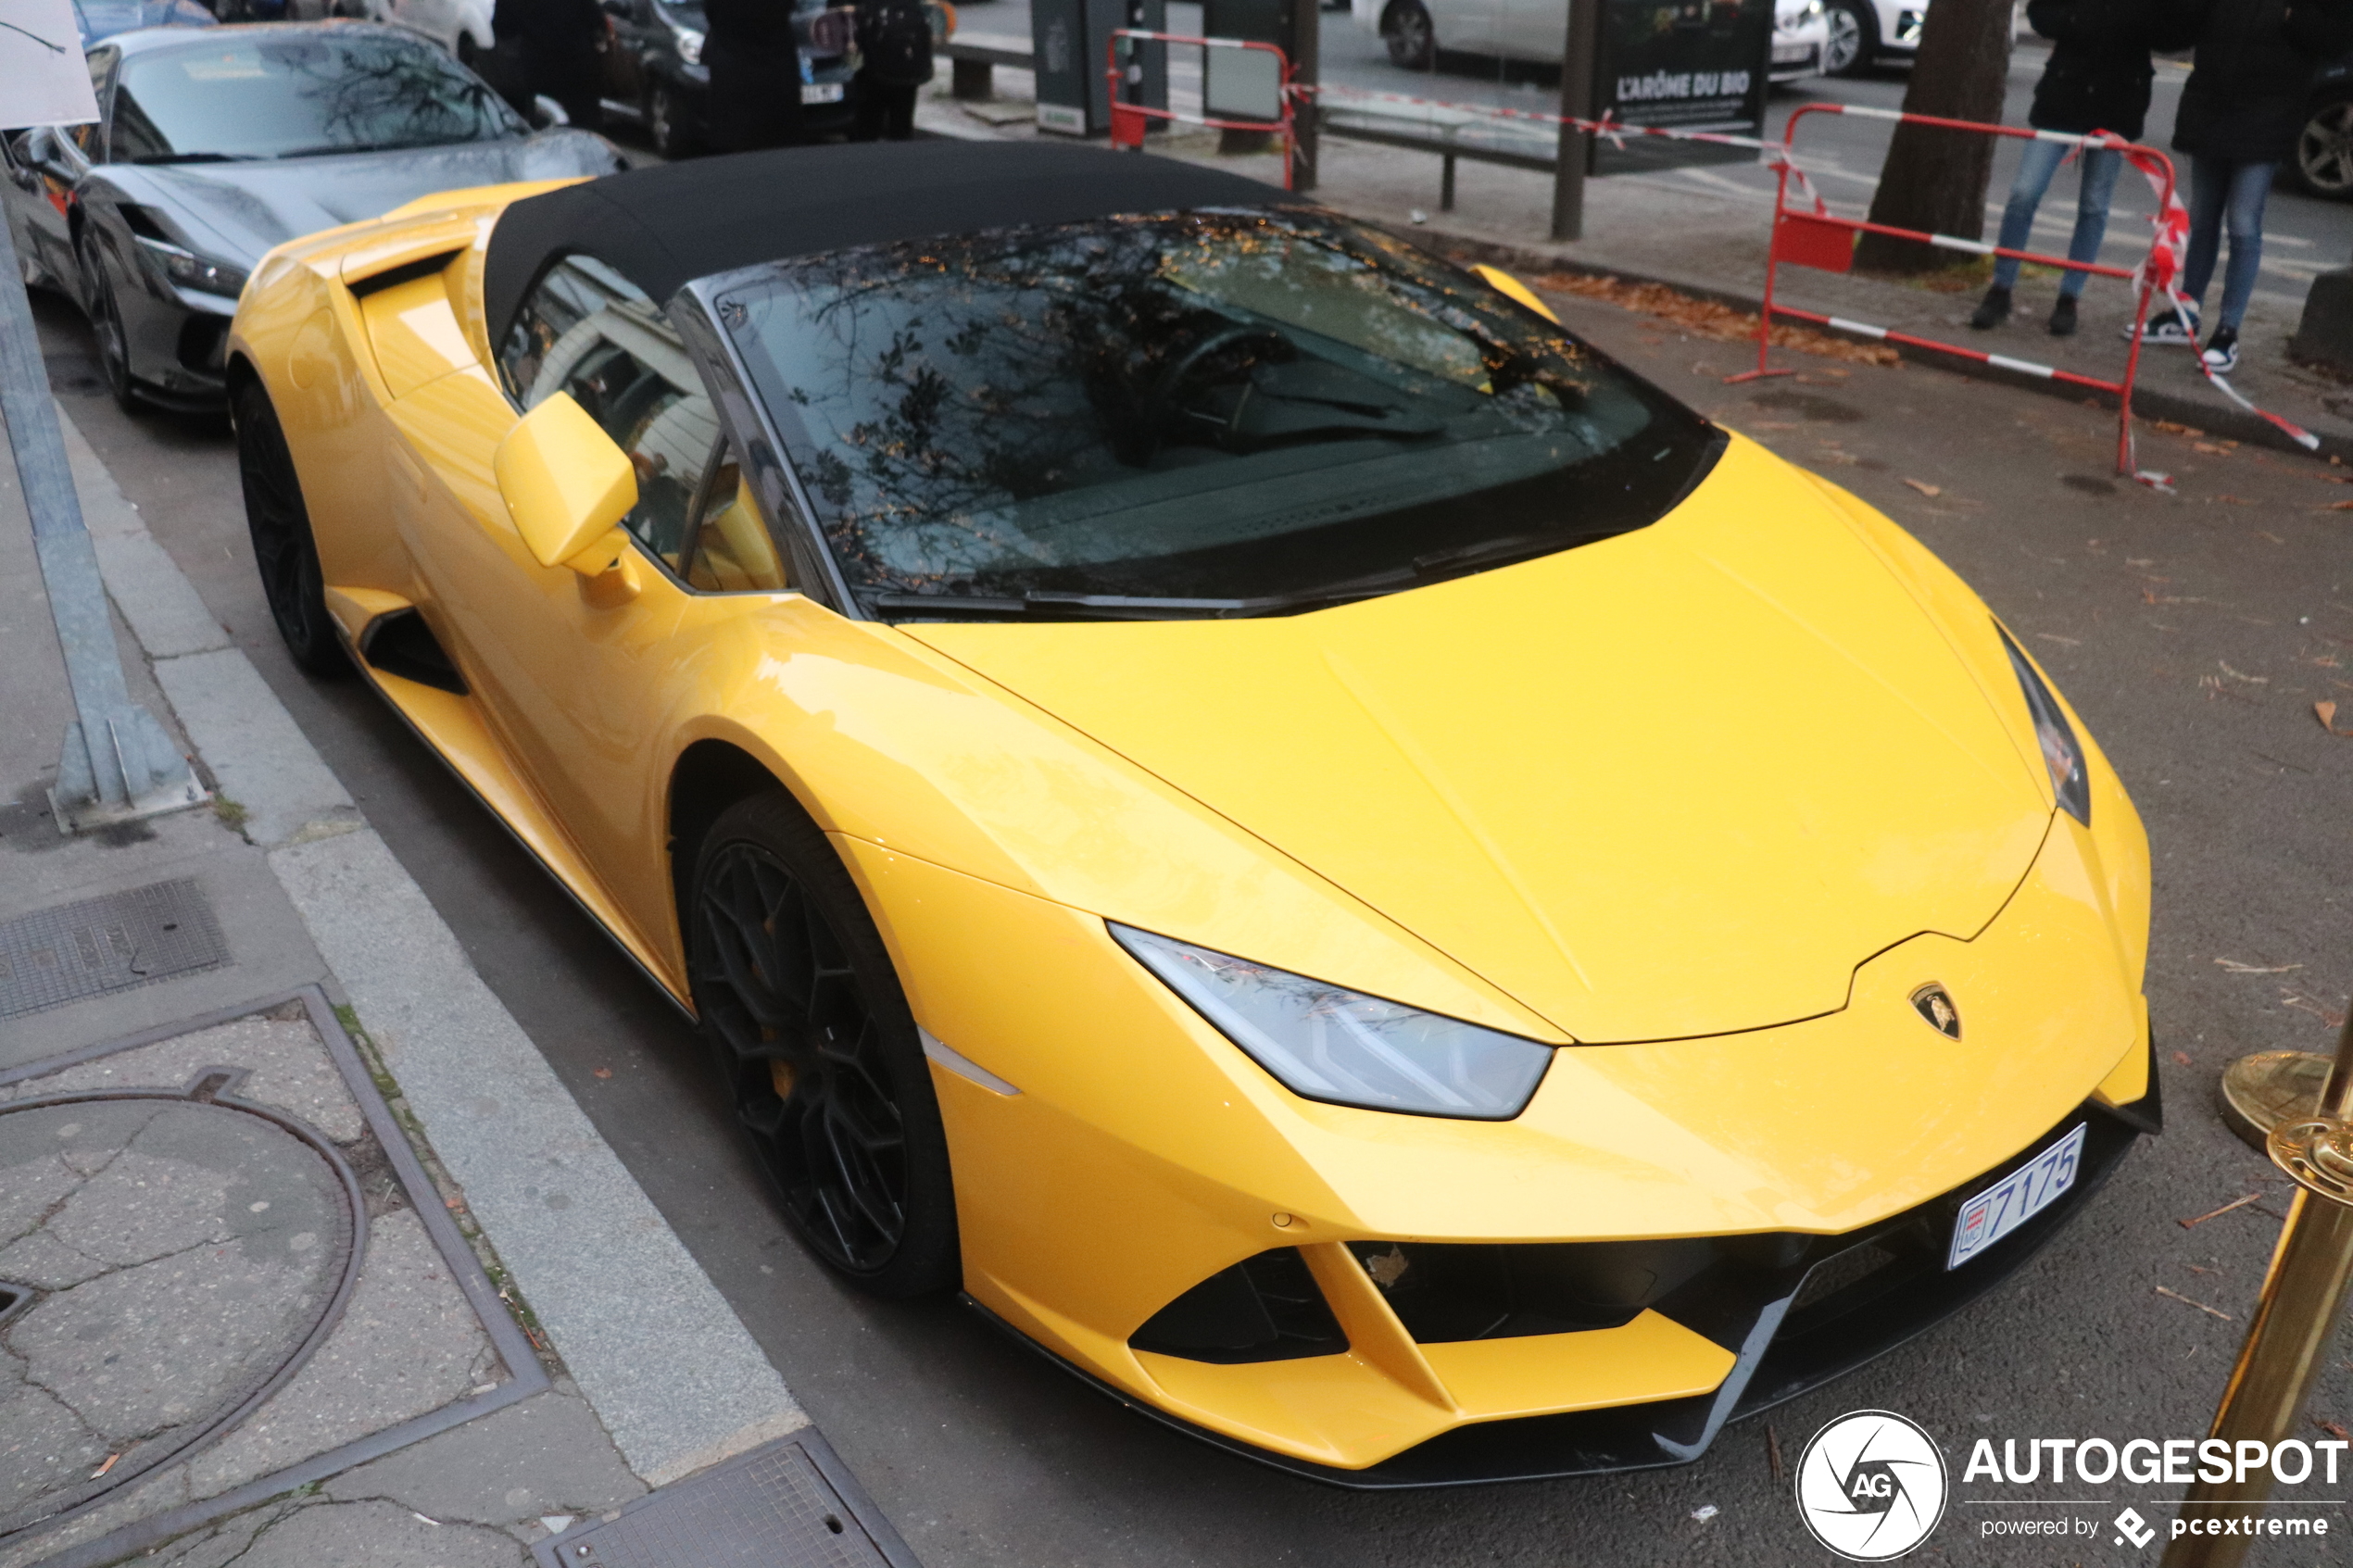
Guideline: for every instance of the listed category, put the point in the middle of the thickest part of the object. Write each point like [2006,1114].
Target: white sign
[43,78]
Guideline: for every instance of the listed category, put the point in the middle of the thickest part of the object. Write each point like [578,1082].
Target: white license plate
[2016,1199]
[821,91]
[1790,54]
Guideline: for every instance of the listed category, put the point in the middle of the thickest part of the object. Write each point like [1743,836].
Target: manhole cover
[174,1258]
[776,1507]
[53,957]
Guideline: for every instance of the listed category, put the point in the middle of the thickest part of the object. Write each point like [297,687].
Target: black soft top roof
[663,227]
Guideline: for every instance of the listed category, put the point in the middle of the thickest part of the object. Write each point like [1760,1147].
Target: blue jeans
[2226,195]
[2041,161]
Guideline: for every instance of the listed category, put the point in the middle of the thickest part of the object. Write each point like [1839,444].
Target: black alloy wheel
[283,547]
[106,325]
[2324,162]
[1853,41]
[818,1050]
[1412,40]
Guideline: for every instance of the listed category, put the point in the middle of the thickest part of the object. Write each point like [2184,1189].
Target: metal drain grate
[788,1505]
[53,957]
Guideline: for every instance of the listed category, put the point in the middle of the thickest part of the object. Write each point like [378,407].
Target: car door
[575,674]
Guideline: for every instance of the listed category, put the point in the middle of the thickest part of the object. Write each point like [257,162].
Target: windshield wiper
[330,148]
[1108,606]
[194,158]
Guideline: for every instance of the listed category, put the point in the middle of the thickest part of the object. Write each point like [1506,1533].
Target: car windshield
[1209,413]
[255,96]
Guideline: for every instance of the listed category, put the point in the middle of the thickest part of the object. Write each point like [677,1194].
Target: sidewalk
[1711,240]
[306,1257]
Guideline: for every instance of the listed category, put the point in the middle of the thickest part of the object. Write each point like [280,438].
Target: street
[2194,632]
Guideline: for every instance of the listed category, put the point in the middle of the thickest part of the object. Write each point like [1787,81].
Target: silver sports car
[214,144]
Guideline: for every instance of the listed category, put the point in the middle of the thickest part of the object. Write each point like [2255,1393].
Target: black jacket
[2099,72]
[2245,99]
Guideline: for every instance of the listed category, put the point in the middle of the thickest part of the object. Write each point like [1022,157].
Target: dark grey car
[214,146]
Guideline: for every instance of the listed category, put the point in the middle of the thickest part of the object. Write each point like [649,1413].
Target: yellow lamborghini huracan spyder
[1331,858]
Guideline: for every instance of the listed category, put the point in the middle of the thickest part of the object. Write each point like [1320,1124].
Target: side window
[86,136]
[587,331]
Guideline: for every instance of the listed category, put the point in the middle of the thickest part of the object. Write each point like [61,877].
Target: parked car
[654,72]
[2323,163]
[462,27]
[1537,29]
[1868,32]
[213,146]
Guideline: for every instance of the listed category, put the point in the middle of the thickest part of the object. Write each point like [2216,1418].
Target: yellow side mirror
[566,484]
[1502,283]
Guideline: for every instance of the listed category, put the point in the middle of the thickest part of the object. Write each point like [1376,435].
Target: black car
[654,72]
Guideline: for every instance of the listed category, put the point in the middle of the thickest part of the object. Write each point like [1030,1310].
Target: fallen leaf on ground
[2242,675]
[1925,488]
[2237,968]
[2325,711]
[2181,1058]
[2333,1428]
[2212,1213]
[1705,318]
[2170,428]
[2338,507]
[604,1071]
[2210,446]
[2209,1311]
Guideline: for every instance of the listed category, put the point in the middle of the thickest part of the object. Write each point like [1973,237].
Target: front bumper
[1795,1312]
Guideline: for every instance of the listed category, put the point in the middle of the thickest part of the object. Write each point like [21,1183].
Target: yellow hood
[1677,782]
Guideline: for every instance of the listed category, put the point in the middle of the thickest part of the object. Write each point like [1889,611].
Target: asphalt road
[2194,632]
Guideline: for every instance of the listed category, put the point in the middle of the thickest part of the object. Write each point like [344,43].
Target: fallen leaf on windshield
[1931,491]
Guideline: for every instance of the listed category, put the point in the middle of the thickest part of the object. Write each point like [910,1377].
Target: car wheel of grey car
[106,325]
[1412,42]
[284,547]
[818,1049]
[2324,150]
[1853,41]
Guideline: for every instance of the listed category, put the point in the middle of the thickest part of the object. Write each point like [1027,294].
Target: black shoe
[2063,317]
[2221,354]
[1992,310]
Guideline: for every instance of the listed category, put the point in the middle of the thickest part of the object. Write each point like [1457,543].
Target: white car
[462,27]
[1868,32]
[1537,29]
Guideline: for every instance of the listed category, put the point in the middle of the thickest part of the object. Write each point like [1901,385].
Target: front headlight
[689,45]
[199,272]
[1327,1043]
[2062,753]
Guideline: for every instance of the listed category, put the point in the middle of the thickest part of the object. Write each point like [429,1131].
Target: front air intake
[1264,1308]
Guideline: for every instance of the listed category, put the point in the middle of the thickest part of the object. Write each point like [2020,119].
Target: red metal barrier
[1822,240]
[1128,120]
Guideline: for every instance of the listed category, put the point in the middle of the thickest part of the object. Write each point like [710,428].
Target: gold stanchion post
[2294,1320]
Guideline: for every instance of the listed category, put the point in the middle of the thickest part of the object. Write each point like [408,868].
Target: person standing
[894,47]
[2098,79]
[754,59]
[554,47]
[2241,112]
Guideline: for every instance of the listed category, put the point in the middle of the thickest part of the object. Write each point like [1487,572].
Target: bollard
[118,763]
[2296,1316]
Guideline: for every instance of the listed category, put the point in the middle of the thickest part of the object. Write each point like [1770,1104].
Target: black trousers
[886,110]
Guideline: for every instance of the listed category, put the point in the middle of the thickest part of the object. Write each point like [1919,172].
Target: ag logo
[1870,1485]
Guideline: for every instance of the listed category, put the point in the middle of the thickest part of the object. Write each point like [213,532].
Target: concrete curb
[661,1357]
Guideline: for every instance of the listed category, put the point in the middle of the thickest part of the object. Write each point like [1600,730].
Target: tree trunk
[1933,179]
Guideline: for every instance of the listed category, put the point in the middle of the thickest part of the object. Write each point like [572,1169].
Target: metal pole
[1305,51]
[117,763]
[1578,59]
[2296,1318]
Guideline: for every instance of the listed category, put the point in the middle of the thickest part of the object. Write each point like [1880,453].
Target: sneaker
[2221,354]
[2172,327]
[1992,310]
[2063,317]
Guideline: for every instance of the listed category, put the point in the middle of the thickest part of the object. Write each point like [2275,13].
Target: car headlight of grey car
[191,271]
[1327,1043]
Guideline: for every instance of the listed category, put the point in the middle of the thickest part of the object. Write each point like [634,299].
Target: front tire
[284,547]
[1853,41]
[105,312]
[1411,38]
[818,1050]
[2324,162]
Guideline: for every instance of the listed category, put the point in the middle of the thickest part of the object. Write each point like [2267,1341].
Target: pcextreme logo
[1871,1485]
